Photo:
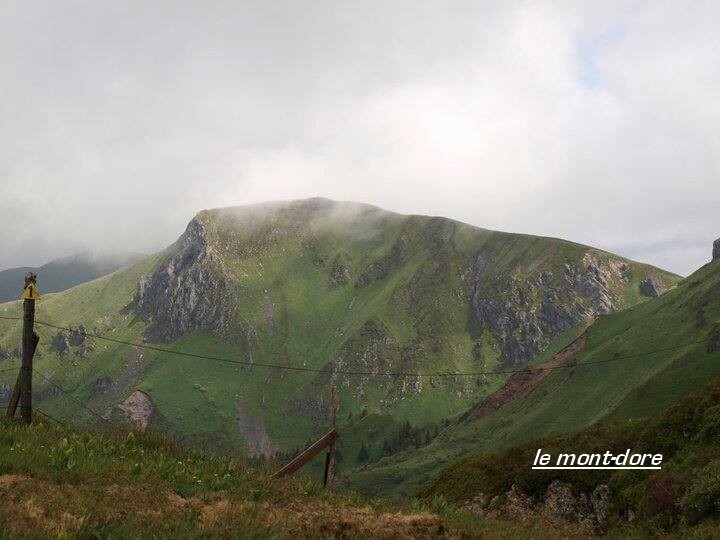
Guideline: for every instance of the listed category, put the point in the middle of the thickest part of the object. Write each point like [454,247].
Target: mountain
[317,285]
[64,273]
[630,365]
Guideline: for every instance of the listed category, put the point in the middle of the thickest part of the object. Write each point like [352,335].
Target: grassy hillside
[685,493]
[59,483]
[624,379]
[64,273]
[320,285]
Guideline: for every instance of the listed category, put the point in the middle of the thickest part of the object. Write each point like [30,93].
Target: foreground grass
[55,482]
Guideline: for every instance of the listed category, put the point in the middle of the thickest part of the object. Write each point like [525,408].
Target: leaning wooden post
[330,458]
[29,342]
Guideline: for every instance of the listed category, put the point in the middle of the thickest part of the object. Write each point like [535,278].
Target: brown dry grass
[49,509]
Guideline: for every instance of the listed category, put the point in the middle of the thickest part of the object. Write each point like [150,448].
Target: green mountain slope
[64,273]
[684,492]
[321,285]
[624,379]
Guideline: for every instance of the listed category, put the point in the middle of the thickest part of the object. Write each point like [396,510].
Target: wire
[46,415]
[76,400]
[363,373]
[10,369]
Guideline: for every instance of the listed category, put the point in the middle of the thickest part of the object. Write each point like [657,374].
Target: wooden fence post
[330,458]
[29,344]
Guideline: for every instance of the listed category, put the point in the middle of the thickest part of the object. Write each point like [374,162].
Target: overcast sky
[597,122]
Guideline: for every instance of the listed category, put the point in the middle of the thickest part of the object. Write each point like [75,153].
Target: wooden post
[330,458]
[312,451]
[15,397]
[29,295]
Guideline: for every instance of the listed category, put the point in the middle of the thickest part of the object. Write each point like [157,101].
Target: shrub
[703,495]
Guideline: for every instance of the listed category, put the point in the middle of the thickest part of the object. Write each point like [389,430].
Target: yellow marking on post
[30,293]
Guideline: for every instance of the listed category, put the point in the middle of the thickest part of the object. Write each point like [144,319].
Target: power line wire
[46,415]
[10,369]
[68,394]
[362,373]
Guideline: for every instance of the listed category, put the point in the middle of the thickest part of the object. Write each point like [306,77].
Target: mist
[594,122]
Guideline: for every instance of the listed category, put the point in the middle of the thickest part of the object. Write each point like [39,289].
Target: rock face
[76,338]
[652,286]
[559,505]
[190,290]
[716,250]
[138,408]
[527,313]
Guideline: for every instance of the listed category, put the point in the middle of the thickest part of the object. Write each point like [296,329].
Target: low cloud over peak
[593,122]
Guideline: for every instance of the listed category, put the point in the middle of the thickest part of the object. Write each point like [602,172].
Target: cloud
[593,122]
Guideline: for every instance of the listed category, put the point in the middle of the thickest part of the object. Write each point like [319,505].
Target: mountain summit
[337,287]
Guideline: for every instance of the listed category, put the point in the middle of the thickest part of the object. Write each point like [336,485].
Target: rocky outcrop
[75,340]
[716,250]
[559,505]
[340,271]
[526,314]
[367,355]
[191,290]
[138,408]
[652,286]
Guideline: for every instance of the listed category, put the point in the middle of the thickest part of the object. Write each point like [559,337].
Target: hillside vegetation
[635,364]
[321,285]
[685,493]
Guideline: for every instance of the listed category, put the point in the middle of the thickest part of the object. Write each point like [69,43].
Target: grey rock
[600,501]
[77,337]
[341,274]
[560,503]
[562,507]
[518,505]
[527,314]
[191,290]
[652,286]
[716,250]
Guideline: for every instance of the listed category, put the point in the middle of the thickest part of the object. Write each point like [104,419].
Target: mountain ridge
[323,285]
[65,272]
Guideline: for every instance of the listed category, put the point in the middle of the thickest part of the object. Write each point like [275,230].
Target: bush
[703,496]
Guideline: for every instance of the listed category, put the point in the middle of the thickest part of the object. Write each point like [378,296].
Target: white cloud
[128,122]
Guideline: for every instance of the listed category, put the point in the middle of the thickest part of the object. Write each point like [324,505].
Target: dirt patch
[138,408]
[522,382]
